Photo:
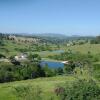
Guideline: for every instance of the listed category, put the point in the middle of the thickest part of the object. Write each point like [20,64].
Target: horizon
[48,34]
[69,17]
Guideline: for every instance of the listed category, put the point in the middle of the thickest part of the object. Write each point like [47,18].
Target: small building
[22,56]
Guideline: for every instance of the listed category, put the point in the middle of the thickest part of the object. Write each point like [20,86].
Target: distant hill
[51,35]
[55,38]
[61,36]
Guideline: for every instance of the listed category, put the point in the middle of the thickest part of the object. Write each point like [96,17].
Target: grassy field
[93,48]
[9,47]
[84,49]
[13,48]
[46,84]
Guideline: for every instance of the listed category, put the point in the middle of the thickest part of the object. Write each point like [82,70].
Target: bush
[80,90]
[68,68]
[2,56]
[96,71]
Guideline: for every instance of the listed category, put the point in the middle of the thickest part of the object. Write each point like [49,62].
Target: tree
[2,56]
[68,68]
[59,71]
[48,72]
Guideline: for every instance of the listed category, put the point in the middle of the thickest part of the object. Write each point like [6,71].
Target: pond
[52,64]
[57,51]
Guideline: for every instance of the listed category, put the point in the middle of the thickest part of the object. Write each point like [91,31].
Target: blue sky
[80,17]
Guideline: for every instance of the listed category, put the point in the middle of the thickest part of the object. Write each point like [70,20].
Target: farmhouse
[22,56]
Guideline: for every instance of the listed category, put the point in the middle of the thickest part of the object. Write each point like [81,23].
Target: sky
[70,17]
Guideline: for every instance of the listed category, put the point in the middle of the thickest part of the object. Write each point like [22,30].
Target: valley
[44,67]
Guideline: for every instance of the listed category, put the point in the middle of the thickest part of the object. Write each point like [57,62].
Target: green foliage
[59,71]
[2,56]
[48,72]
[28,92]
[2,43]
[26,70]
[68,68]
[6,72]
[77,57]
[79,90]
[96,71]
[33,57]
[96,40]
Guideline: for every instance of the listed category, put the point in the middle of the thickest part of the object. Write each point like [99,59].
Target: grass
[10,48]
[93,48]
[84,49]
[46,84]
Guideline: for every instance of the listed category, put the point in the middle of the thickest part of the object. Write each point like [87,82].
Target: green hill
[47,86]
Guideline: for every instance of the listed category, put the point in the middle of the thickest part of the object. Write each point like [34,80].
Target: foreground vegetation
[36,89]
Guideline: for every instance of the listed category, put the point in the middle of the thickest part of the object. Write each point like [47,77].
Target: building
[22,56]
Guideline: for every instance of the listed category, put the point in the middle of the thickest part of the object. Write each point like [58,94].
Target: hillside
[50,83]
[85,48]
[46,84]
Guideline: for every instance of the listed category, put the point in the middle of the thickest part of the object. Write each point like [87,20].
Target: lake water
[57,51]
[52,64]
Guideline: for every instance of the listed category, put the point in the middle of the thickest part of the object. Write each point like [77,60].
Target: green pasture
[47,85]
[85,48]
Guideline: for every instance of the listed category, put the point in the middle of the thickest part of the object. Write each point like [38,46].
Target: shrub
[2,56]
[96,71]
[80,90]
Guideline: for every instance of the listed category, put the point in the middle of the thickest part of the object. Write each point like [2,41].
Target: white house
[21,57]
